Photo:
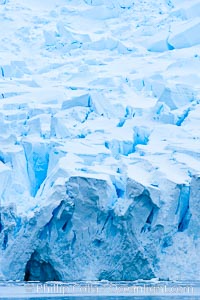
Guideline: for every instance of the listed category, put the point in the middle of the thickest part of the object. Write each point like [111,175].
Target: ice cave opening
[40,270]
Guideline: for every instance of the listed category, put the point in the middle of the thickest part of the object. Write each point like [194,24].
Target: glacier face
[99,140]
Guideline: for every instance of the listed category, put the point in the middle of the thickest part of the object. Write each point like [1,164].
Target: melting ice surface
[99,140]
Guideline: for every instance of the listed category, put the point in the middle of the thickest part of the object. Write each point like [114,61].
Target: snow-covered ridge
[99,139]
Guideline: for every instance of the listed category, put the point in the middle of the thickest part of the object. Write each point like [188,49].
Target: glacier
[99,140]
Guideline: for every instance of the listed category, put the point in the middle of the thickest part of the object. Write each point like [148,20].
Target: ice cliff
[99,140]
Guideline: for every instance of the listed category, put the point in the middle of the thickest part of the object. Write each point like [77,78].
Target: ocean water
[110,298]
[100,290]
